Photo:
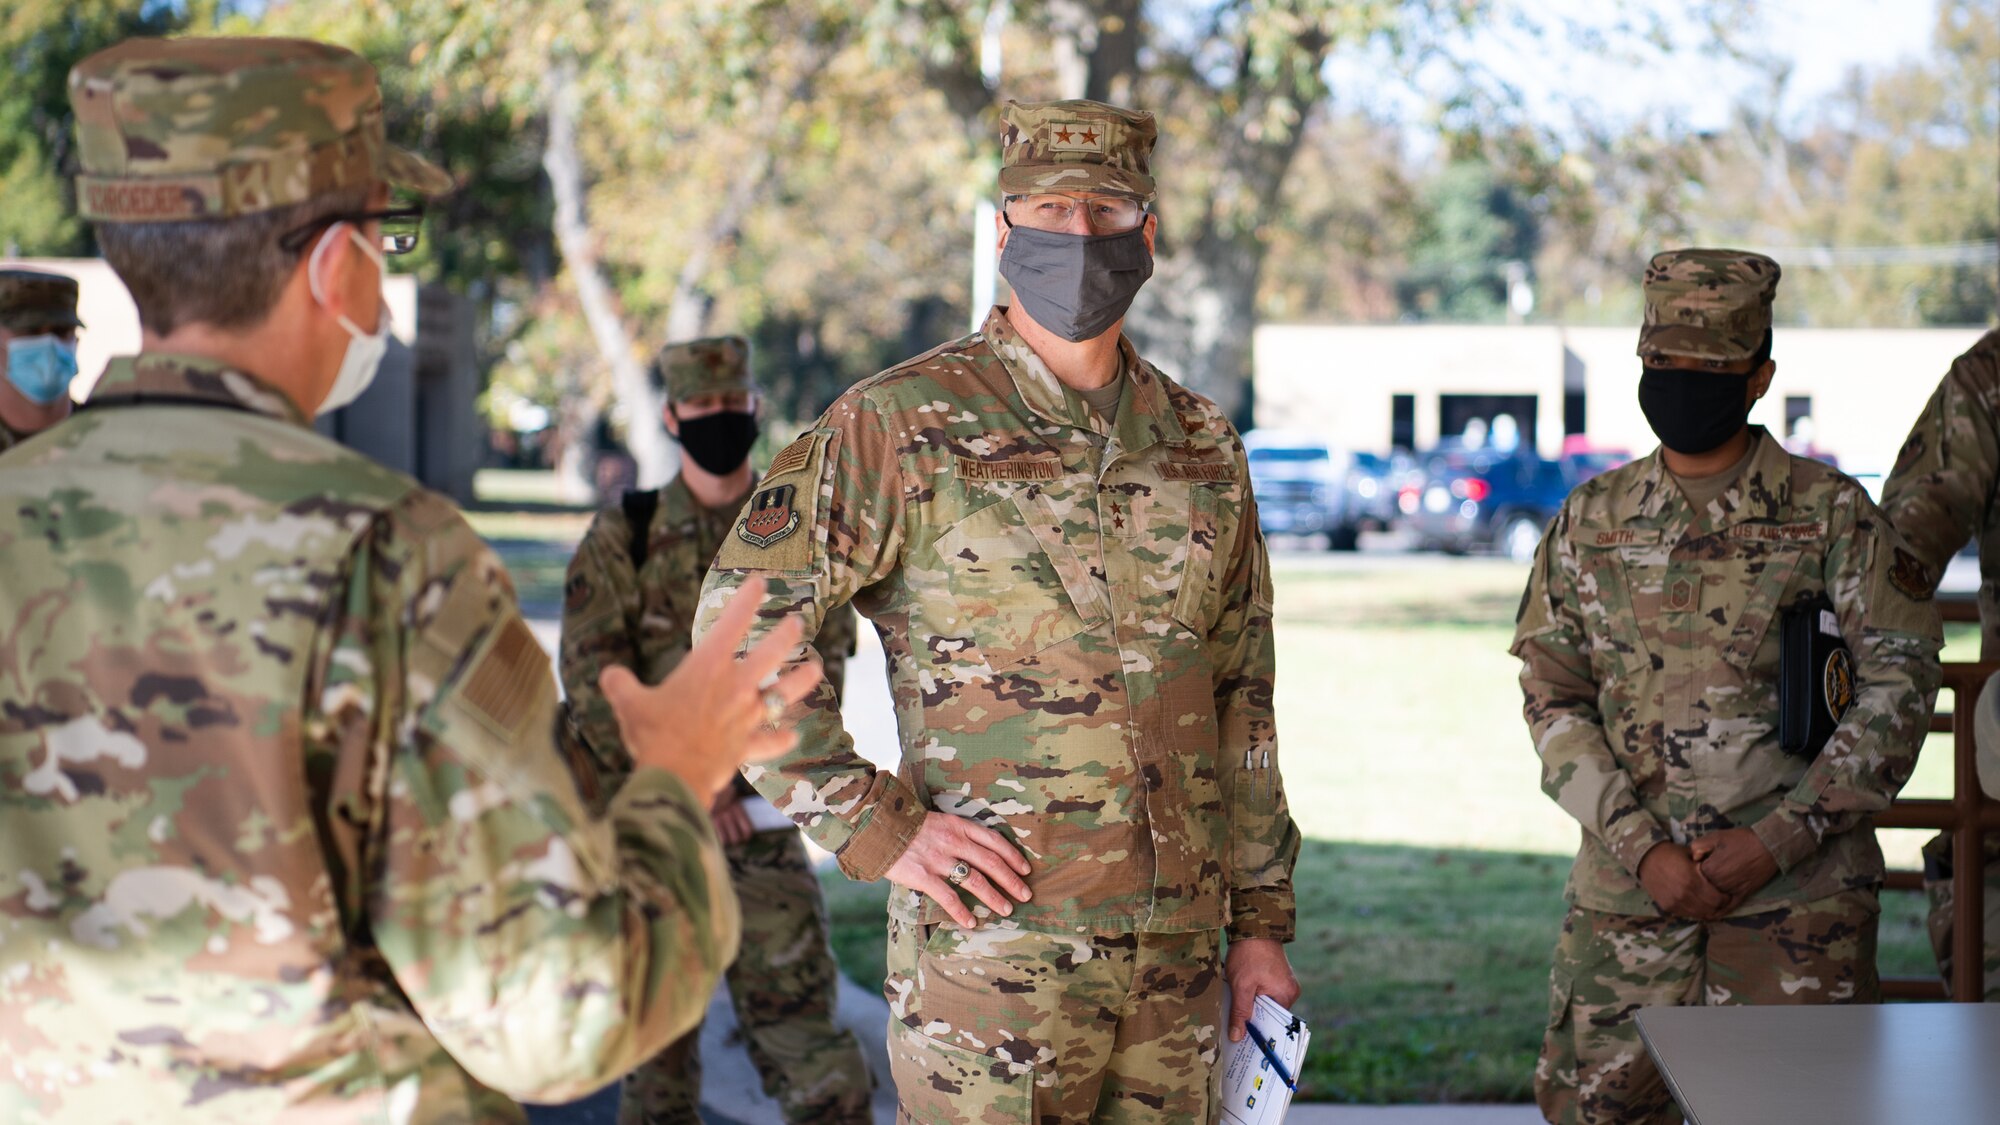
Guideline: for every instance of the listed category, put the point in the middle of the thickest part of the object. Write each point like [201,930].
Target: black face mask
[720,442]
[1076,285]
[1694,412]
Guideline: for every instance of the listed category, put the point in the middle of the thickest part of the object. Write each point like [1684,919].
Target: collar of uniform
[1655,489]
[1662,501]
[679,507]
[1762,491]
[132,380]
[1143,408]
[1145,413]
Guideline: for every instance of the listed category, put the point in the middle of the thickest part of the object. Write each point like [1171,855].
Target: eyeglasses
[400,226]
[1105,214]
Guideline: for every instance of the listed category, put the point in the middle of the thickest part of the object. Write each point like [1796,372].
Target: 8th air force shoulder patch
[776,528]
[1909,576]
[771,517]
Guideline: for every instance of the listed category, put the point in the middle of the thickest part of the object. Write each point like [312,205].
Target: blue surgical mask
[40,367]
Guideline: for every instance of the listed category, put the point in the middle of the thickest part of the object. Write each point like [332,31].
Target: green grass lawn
[1430,887]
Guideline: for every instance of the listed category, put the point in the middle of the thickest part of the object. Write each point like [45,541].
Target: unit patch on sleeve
[771,516]
[1909,576]
[776,529]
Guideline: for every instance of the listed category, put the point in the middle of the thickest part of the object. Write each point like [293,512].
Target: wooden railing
[1970,816]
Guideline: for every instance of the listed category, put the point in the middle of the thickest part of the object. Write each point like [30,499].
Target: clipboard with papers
[1260,1073]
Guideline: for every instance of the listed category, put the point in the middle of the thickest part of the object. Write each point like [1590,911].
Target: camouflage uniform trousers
[1938,890]
[783,984]
[992,1025]
[1595,1071]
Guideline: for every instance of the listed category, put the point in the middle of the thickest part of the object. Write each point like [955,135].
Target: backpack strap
[639,508]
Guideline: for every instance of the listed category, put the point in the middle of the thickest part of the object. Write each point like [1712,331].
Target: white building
[1370,388]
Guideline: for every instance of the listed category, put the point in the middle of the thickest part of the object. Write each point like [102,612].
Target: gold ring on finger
[960,872]
[774,707]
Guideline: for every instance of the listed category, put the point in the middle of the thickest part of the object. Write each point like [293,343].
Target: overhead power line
[1981,252]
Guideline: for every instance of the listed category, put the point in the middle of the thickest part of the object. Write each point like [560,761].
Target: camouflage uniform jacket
[644,619]
[1077,620]
[1945,489]
[287,833]
[1650,668]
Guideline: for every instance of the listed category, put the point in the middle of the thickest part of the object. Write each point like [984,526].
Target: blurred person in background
[1944,493]
[629,602]
[1716,867]
[38,327]
[290,830]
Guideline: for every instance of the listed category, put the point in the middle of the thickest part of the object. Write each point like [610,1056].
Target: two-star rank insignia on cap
[771,517]
[1076,138]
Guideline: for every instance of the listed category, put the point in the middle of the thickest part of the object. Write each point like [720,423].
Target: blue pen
[1270,1055]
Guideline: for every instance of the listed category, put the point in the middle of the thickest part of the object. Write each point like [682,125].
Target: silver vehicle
[1301,486]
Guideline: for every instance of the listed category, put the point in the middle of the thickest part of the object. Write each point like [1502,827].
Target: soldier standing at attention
[1060,548]
[288,834]
[1945,491]
[37,352]
[1715,868]
[630,602]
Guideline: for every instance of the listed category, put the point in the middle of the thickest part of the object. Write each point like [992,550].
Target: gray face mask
[1076,285]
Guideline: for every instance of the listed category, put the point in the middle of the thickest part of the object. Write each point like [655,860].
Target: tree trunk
[574,458]
[1114,57]
[1197,317]
[646,435]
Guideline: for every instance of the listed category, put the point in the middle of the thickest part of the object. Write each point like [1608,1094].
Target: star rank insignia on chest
[772,517]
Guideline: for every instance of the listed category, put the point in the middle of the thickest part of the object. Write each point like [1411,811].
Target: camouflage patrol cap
[31,298]
[1713,305]
[173,129]
[713,365]
[1076,146]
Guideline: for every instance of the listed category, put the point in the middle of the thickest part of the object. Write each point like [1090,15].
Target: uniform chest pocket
[1197,601]
[1758,576]
[1017,584]
[1164,532]
[1619,589]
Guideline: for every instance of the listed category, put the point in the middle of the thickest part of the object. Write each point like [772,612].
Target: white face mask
[364,352]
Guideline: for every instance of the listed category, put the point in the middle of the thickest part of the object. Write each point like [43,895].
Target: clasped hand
[1710,878]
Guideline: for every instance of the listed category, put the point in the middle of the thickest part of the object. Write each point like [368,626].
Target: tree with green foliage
[807,173]
[1473,225]
[39,41]
[1883,208]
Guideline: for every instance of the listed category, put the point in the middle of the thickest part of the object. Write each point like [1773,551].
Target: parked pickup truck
[1301,487]
[1484,499]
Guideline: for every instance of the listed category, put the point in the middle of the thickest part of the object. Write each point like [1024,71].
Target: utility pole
[985,239]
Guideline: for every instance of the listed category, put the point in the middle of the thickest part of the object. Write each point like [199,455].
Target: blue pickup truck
[1483,499]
